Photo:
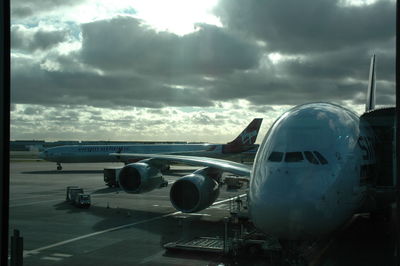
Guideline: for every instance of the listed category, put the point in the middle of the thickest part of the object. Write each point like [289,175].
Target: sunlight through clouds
[177,16]
[189,70]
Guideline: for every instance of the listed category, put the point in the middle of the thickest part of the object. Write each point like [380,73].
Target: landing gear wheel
[59,167]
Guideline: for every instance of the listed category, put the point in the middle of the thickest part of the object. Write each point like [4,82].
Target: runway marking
[33,203]
[51,258]
[222,206]
[194,214]
[118,228]
[27,253]
[62,255]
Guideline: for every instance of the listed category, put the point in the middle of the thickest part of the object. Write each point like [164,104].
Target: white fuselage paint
[300,197]
[101,153]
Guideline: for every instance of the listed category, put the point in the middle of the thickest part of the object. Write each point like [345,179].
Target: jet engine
[139,178]
[194,192]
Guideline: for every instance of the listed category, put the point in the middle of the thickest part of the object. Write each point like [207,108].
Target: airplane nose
[290,206]
[289,218]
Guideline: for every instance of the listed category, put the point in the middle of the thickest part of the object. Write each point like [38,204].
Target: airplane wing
[137,156]
[224,165]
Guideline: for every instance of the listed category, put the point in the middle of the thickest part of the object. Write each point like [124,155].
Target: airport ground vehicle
[234,182]
[77,197]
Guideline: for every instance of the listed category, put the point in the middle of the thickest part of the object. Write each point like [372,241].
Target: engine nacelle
[140,178]
[194,192]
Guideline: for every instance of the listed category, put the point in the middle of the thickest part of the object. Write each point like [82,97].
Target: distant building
[27,145]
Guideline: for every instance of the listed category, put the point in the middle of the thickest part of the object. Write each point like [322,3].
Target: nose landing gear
[59,167]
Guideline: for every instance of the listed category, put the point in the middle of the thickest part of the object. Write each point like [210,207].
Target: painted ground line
[118,228]
[51,258]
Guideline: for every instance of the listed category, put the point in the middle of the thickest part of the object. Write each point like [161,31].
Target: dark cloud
[125,43]
[33,84]
[25,8]
[325,46]
[350,63]
[123,63]
[310,26]
[141,67]
[32,40]
[264,88]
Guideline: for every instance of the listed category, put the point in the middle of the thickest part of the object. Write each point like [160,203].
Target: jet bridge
[382,122]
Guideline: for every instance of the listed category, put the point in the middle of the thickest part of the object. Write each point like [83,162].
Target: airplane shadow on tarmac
[52,172]
[357,243]
[171,228]
[181,227]
[173,172]
[107,190]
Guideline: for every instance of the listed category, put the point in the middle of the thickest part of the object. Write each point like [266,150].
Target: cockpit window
[320,157]
[310,157]
[275,156]
[293,157]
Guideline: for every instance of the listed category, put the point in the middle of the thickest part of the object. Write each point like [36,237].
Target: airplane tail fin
[370,105]
[249,134]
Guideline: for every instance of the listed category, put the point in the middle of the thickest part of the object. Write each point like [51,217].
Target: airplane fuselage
[101,153]
[311,171]
[241,148]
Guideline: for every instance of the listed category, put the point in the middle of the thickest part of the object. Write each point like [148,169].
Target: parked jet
[101,153]
[318,165]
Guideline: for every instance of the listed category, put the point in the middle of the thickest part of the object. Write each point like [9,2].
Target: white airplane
[101,153]
[318,165]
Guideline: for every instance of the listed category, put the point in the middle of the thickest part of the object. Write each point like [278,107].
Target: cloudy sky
[189,70]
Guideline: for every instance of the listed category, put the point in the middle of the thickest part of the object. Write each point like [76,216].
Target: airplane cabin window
[275,156]
[310,157]
[293,157]
[320,157]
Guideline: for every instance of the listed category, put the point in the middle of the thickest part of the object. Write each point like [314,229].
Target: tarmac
[118,229]
[131,229]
